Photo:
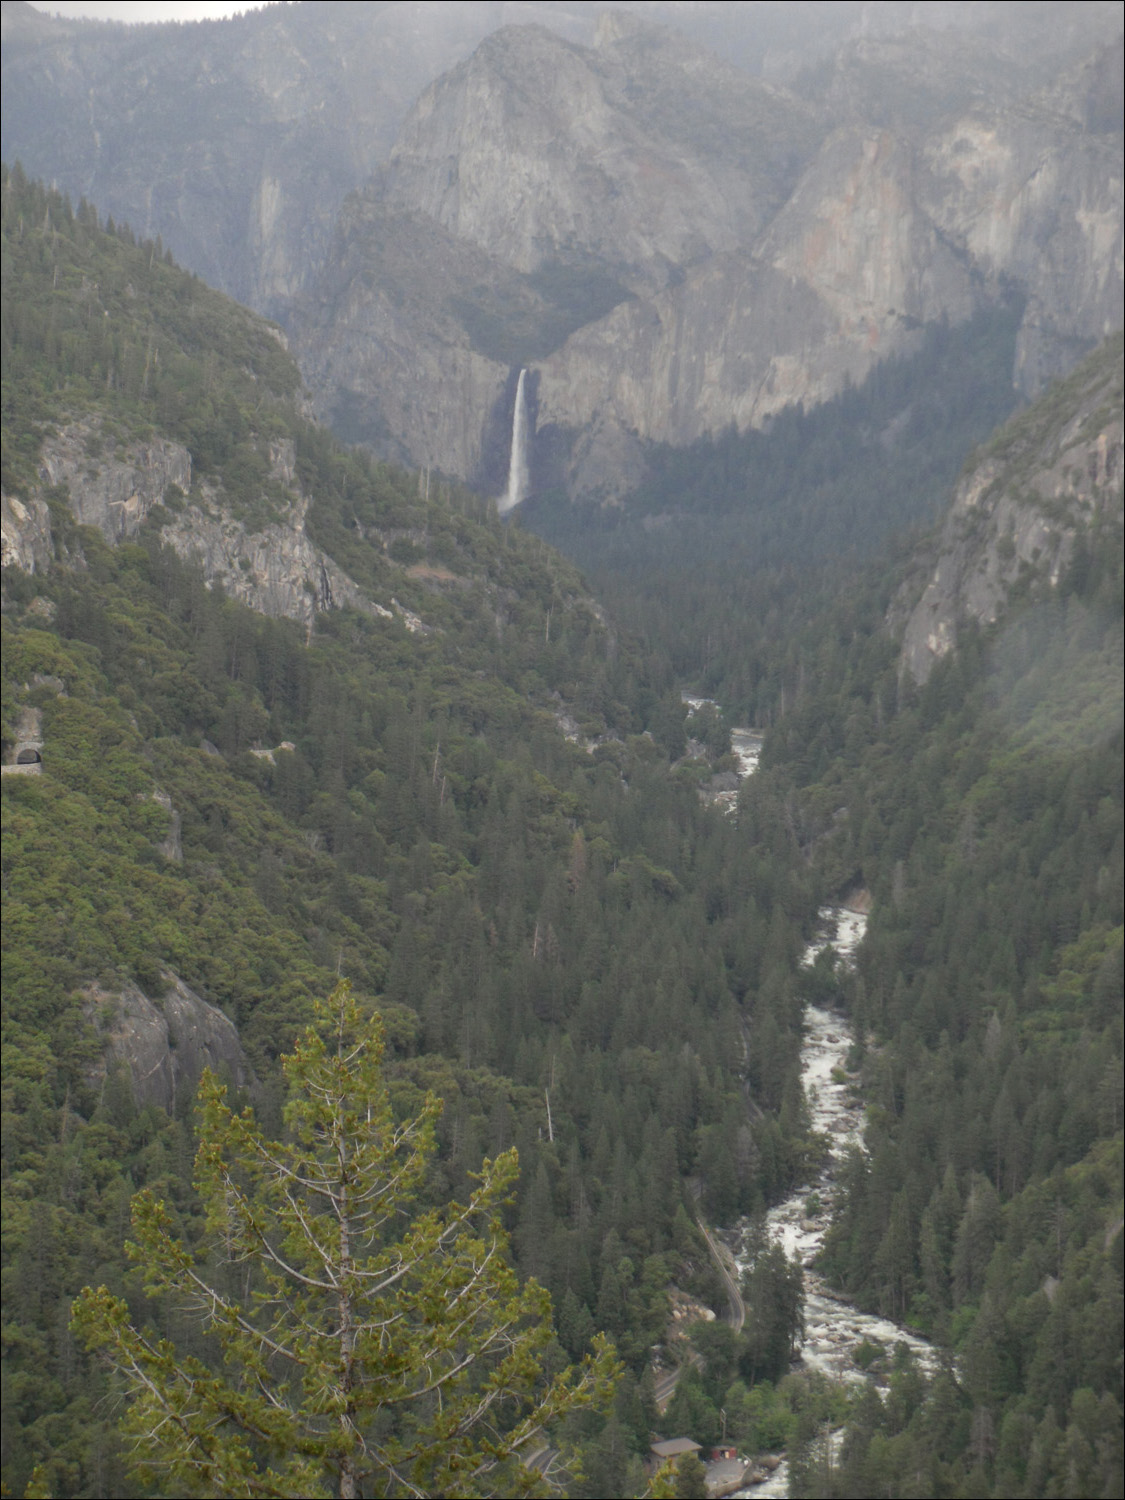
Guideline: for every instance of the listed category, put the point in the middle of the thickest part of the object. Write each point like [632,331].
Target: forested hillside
[229,810]
[277,714]
[980,809]
[984,814]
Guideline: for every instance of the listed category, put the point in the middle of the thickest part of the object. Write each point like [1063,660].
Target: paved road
[735,1315]
[728,1270]
[663,1386]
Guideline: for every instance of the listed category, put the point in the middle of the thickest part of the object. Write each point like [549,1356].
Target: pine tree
[376,1347]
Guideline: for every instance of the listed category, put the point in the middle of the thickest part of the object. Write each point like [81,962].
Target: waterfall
[517,464]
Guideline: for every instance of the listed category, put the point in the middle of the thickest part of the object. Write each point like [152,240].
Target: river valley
[835,1331]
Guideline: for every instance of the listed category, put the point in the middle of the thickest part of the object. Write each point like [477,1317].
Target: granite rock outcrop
[115,484]
[1018,514]
[162,1045]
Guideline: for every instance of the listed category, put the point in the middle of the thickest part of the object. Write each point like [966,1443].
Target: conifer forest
[561,724]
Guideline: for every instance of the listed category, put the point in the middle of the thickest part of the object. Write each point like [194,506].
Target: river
[834,1329]
[746,746]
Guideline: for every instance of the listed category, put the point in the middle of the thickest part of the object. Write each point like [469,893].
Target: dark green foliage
[984,813]
[569,949]
[691,1479]
[774,1292]
[567,946]
[355,1307]
[94,321]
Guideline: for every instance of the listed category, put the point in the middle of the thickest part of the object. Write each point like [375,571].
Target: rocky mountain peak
[774,245]
[640,153]
[668,243]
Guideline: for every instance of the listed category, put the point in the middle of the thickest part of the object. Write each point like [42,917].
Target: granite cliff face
[163,1045]
[111,484]
[766,246]
[114,485]
[531,190]
[385,346]
[237,140]
[641,153]
[846,274]
[670,243]
[235,152]
[25,533]
[1048,479]
[1035,194]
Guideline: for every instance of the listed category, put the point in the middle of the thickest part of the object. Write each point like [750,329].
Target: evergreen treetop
[369,1345]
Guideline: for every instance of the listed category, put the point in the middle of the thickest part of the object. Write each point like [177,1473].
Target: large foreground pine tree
[375,1347]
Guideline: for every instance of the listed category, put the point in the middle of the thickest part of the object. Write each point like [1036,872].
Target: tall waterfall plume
[517,463]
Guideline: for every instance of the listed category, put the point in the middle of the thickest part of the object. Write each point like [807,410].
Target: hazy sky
[144,11]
